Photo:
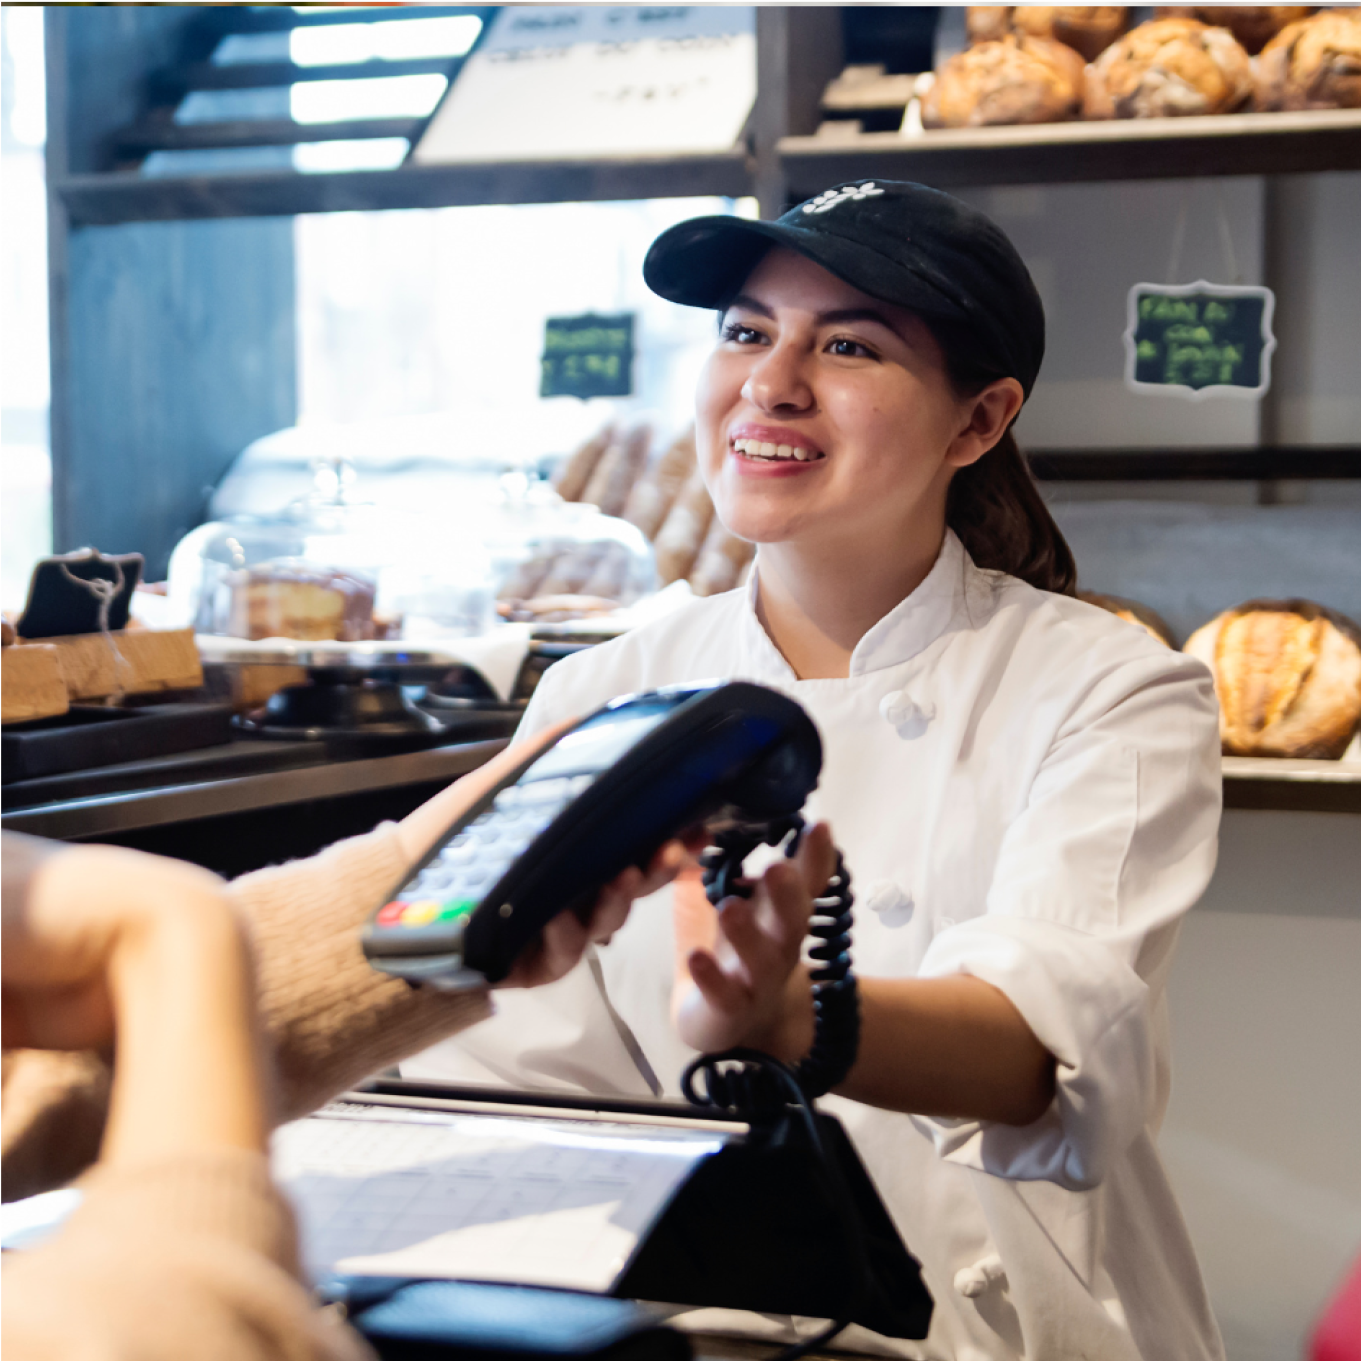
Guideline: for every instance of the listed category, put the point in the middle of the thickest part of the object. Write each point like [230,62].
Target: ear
[987,417]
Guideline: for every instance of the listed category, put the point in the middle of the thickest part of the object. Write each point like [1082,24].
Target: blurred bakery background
[335,411]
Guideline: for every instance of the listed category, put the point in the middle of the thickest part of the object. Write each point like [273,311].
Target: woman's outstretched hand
[747,984]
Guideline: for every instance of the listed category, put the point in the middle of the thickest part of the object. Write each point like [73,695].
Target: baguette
[683,532]
[655,493]
[574,473]
[618,470]
[721,560]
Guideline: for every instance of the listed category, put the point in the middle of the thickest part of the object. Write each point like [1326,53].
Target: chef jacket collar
[907,629]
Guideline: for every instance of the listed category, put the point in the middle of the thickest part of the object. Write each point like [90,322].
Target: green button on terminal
[456,907]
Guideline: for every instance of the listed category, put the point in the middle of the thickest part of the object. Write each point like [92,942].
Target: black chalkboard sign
[588,356]
[1199,339]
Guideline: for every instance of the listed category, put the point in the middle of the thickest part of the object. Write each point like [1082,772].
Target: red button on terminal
[391,914]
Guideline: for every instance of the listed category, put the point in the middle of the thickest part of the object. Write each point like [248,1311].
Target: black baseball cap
[900,242]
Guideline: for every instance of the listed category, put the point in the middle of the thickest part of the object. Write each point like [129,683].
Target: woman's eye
[742,335]
[850,349]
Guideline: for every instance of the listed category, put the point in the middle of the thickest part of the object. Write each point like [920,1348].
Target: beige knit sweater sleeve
[328,1018]
[191,1257]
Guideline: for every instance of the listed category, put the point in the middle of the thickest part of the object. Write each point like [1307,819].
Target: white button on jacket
[1044,816]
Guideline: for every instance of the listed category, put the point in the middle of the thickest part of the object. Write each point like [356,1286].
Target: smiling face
[826,418]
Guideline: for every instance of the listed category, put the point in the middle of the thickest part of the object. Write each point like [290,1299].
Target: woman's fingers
[723,992]
[816,858]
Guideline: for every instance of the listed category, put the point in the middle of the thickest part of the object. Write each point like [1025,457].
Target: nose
[779,382]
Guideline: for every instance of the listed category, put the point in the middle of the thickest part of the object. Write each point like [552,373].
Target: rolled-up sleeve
[1116,841]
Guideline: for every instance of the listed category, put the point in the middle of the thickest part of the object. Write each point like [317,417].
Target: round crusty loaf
[1313,64]
[1132,612]
[1088,29]
[1288,677]
[1169,68]
[1253,25]
[1015,79]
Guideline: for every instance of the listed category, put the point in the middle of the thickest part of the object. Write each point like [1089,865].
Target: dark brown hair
[994,505]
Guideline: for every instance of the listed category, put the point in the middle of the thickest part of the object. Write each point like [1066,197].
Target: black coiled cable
[757,1087]
[836,998]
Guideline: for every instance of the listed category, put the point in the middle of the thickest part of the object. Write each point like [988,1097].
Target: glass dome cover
[331,567]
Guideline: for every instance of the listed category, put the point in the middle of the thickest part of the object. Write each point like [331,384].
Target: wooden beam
[1068,153]
[1197,464]
[106,199]
[161,134]
[172,81]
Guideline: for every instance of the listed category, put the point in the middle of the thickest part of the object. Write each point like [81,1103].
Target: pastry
[1253,25]
[1288,677]
[1313,64]
[575,471]
[683,532]
[720,561]
[1132,612]
[1088,29]
[286,600]
[1169,68]
[619,468]
[655,492]
[1015,79]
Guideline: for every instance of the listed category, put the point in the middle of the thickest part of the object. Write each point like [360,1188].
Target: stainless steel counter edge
[134,809]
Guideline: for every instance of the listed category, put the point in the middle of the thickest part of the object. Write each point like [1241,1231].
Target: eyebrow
[840,316]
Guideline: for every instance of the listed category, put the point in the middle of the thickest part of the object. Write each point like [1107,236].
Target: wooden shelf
[102,200]
[1281,784]
[1197,464]
[1067,153]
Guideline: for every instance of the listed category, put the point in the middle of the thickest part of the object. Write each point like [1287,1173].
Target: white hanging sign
[1199,340]
[575,81]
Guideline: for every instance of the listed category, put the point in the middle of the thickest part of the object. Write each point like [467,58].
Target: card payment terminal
[606,795]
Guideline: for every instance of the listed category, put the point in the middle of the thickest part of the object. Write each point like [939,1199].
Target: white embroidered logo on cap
[829,198]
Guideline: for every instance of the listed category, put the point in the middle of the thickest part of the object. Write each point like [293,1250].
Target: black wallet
[420,1320]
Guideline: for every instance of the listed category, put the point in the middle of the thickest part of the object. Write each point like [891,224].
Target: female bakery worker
[1026,789]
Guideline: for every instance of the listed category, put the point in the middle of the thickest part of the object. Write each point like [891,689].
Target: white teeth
[764,449]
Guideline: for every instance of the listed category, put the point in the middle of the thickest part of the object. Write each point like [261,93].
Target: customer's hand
[82,909]
[568,935]
[747,985]
[104,944]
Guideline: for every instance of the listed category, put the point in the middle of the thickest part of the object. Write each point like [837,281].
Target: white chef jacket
[1027,790]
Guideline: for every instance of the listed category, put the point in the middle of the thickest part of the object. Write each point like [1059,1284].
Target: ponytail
[996,510]
[993,505]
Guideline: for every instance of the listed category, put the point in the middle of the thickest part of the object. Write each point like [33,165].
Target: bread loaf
[720,561]
[655,492]
[1313,64]
[1169,68]
[619,468]
[683,532]
[1015,79]
[1132,612]
[1253,25]
[574,473]
[1088,29]
[1288,677]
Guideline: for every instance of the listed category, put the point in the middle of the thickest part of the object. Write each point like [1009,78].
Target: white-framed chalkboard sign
[1199,340]
[576,81]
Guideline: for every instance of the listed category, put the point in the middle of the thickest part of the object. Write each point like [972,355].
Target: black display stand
[755,1226]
